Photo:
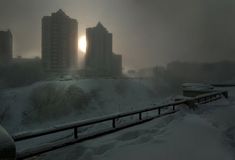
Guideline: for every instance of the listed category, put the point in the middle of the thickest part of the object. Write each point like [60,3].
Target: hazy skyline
[145,32]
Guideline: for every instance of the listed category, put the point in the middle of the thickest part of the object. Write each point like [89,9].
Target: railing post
[75,132]
[114,123]
[159,111]
[212,98]
[225,94]
[204,99]
[198,100]
[140,116]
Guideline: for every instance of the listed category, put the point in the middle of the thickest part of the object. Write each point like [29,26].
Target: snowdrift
[47,103]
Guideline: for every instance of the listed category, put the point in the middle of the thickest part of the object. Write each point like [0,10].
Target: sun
[82,44]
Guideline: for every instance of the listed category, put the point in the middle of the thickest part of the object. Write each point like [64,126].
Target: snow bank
[188,138]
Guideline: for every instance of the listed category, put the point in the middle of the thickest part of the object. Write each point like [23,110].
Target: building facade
[6,47]
[100,59]
[59,42]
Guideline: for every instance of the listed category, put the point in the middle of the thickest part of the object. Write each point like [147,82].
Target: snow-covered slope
[44,104]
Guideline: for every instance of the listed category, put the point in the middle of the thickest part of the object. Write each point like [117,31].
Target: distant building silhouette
[6,45]
[59,42]
[100,59]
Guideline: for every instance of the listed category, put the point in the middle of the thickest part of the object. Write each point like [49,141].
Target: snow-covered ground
[205,134]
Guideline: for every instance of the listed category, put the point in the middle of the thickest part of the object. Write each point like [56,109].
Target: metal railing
[75,125]
[162,110]
[224,85]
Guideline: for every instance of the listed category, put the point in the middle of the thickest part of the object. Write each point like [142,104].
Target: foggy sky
[145,32]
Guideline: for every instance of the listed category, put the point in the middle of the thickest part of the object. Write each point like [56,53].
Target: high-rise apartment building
[100,59]
[59,42]
[6,45]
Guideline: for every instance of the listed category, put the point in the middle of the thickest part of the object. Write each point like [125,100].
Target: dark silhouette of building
[100,59]
[6,45]
[117,64]
[59,42]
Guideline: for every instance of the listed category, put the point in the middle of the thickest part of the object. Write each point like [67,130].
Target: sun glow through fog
[82,44]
